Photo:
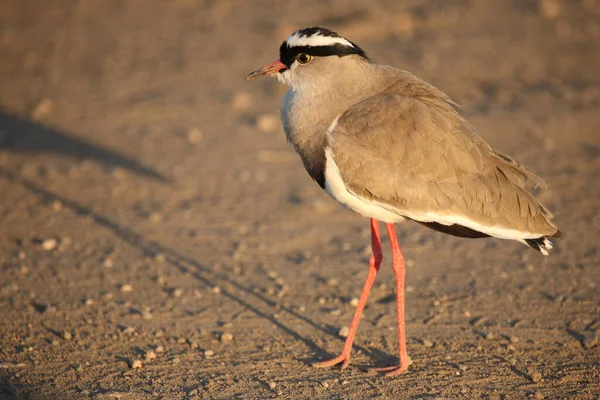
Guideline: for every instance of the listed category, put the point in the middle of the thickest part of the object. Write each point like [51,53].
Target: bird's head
[312,56]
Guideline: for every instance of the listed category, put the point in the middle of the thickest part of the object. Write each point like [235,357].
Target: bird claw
[342,359]
[394,370]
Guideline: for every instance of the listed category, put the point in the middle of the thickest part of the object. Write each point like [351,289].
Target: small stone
[177,292]
[108,263]
[195,136]
[241,101]
[43,108]
[146,314]
[549,8]
[514,339]
[536,377]
[155,217]
[89,302]
[181,340]
[489,336]
[160,349]
[57,205]
[194,344]
[590,341]
[272,385]
[226,337]
[49,244]
[332,282]
[267,123]
[150,355]
[463,368]
[512,361]
[354,301]
[322,300]
[216,290]
[325,385]
[135,364]
[538,396]
[344,331]
[209,353]
[427,343]
[126,288]
[67,335]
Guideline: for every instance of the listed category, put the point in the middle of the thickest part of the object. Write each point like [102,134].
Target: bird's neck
[307,113]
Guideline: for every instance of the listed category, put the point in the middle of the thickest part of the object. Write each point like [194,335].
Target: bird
[392,147]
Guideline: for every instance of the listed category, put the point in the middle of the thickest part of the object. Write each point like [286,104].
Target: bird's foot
[343,359]
[395,369]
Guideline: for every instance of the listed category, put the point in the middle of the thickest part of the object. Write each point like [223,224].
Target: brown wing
[419,156]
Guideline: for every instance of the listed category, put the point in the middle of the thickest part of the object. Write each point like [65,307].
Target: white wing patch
[297,39]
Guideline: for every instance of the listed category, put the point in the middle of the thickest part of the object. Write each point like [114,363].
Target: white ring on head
[298,39]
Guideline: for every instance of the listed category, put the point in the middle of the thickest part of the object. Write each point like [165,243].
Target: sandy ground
[159,238]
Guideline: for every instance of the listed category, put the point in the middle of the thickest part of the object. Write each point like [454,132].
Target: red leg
[399,271]
[374,264]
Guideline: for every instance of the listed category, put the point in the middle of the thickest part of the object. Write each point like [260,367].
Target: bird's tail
[542,244]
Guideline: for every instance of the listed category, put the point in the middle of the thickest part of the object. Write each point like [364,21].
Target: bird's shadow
[20,135]
[205,274]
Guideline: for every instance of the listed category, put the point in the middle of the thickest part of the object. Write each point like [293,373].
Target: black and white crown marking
[317,41]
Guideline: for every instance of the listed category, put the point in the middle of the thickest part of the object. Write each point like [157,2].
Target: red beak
[270,69]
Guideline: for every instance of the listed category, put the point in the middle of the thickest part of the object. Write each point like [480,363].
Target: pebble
[216,290]
[272,385]
[267,123]
[226,337]
[195,136]
[160,349]
[146,314]
[43,108]
[536,377]
[177,292]
[427,343]
[354,301]
[241,101]
[549,8]
[590,341]
[135,364]
[150,355]
[489,336]
[325,385]
[514,339]
[67,335]
[181,340]
[538,396]
[209,353]
[344,331]
[57,205]
[332,282]
[49,244]
[126,288]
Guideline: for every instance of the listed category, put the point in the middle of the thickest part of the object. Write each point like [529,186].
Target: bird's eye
[303,58]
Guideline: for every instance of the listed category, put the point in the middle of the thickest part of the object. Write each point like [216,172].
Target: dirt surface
[159,238]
